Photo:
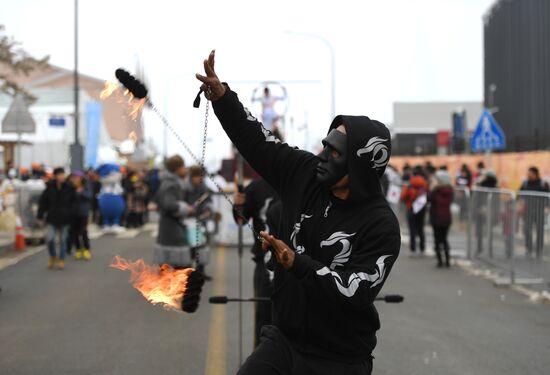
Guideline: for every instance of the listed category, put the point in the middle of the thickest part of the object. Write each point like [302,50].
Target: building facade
[53,113]
[517,71]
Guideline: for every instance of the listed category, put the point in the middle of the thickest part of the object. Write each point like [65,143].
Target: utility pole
[76,150]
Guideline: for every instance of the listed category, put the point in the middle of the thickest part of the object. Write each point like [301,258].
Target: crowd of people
[428,191]
[65,204]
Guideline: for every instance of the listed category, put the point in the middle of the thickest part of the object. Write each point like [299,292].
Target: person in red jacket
[414,195]
[441,198]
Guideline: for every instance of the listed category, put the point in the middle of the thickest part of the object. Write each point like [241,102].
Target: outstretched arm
[279,164]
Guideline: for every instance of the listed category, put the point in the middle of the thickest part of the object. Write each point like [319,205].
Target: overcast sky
[385,51]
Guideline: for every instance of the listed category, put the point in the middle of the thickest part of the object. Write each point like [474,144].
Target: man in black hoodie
[338,239]
[55,204]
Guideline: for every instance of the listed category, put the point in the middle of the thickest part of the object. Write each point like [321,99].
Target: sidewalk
[6,242]
[533,274]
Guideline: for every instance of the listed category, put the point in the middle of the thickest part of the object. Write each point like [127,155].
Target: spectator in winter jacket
[534,208]
[55,206]
[171,246]
[414,195]
[338,239]
[79,216]
[441,198]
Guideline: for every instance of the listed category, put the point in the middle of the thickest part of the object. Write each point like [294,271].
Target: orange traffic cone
[19,235]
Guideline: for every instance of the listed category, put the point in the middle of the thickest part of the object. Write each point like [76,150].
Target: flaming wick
[172,289]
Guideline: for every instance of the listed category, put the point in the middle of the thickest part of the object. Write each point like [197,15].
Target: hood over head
[369,150]
[443,177]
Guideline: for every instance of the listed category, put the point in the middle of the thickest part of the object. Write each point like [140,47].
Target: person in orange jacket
[414,195]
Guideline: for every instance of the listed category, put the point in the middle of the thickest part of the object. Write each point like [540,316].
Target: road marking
[7,262]
[215,358]
[128,233]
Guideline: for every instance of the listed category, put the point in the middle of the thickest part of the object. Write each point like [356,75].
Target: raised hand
[211,85]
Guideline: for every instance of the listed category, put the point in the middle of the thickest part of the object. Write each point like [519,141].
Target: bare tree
[15,60]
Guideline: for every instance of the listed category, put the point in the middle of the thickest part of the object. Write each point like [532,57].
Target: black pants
[416,228]
[262,288]
[534,220]
[442,243]
[79,233]
[134,220]
[275,356]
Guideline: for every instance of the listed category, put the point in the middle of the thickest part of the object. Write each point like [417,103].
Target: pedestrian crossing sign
[487,135]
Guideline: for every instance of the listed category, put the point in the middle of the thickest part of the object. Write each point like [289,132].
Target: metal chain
[237,209]
[203,169]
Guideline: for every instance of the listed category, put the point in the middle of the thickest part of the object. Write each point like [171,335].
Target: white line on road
[128,233]
[5,263]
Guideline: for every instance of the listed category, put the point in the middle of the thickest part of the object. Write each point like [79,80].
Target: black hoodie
[345,249]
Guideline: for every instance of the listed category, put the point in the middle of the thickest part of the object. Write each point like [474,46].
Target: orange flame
[162,285]
[110,88]
[137,106]
[133,136]
[124,97]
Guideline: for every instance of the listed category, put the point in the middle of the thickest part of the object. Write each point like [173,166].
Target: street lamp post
[76,151]
[332,65]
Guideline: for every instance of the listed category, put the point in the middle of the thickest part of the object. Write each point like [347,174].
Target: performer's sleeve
[279,164]
[354,278]
[169,204]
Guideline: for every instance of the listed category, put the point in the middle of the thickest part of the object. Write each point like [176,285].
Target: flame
[137,106]
[162,285]
[133,136]
[110,88]
[134,106]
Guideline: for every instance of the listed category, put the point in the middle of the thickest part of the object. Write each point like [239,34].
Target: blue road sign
[57,121]
[488,135]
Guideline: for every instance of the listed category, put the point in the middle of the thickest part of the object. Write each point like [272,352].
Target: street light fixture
[332,69]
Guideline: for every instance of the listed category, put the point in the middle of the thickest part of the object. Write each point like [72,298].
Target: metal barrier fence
[502,228]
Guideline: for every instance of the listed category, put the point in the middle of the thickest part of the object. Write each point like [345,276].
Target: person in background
[463,182]
[254,203]
[95,186]
[152,180]
[24,174]
[55,207]
[407,173]
[414,195]
[37,170]
[480,173]
[171,246]
[80,214]
[214,183]
[269,115]
[534,208]
[441,198]
[480,204]
[198,196]
[464,177]
[429,174]
[136,198]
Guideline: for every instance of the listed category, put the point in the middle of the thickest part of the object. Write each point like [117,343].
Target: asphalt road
[87,319]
